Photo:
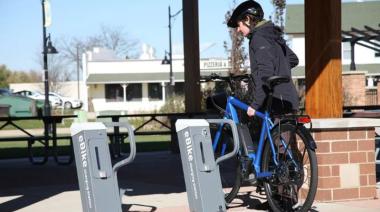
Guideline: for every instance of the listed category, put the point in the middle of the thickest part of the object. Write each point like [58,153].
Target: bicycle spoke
[293,186]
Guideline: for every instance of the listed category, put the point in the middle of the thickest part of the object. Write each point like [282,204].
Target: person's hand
[251,111]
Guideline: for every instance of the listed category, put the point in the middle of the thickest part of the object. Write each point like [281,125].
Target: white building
[354,14]
[134,86]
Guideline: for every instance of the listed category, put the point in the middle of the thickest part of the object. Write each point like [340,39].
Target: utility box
[200,169]
[97,180]
[19,106]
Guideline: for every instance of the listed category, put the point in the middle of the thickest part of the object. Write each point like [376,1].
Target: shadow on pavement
[249,200]
[25,184]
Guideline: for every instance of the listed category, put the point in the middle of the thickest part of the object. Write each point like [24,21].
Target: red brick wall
[346,164]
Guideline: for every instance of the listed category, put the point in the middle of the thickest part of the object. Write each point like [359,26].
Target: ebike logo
[83,151]
[189,146]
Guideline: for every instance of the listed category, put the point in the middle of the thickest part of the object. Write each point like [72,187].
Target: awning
[142,77]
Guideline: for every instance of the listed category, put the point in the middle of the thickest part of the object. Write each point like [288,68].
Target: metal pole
[46,78]
[352,65]
[78,71]
[170,51]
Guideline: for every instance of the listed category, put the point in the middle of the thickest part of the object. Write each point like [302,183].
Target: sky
[145,21]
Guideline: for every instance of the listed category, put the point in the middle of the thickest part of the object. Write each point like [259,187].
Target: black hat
[248,7]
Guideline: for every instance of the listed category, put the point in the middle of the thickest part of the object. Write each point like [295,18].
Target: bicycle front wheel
[294,182]
[230,170]
[230,177]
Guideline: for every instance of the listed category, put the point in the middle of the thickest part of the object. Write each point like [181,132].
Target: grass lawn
[35,124]
[144,144]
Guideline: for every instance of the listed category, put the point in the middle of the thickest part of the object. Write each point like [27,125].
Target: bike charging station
[200,169]
[97,177]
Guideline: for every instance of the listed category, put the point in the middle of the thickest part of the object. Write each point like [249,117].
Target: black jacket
[270,56]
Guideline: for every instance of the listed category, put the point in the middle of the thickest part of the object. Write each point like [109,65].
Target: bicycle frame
[231,113]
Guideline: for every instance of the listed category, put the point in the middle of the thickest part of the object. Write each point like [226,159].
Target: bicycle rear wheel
[294,182]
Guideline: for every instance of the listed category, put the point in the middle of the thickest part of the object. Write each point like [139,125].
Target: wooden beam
[324,98]
[191,54]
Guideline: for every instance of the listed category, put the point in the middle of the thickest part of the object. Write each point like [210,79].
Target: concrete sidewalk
[154,182]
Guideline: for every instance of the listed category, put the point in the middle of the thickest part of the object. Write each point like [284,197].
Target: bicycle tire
[286,190]
[230,185]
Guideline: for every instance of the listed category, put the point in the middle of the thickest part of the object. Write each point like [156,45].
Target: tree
[279,6]
[236,52]
[23,76]
[58,70]
[109,37]
[4,74]
[68,62]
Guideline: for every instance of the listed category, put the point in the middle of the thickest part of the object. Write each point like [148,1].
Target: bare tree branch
[279,12]
[236,51]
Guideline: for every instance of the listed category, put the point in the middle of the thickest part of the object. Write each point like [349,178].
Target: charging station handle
[235,136]
[132,144]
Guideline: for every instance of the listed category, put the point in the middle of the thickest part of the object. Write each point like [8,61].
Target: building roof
[354,14]
[371,69]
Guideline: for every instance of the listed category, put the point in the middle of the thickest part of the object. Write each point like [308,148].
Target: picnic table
[48,135]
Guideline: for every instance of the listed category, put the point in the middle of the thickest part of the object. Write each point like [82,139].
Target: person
[269,56]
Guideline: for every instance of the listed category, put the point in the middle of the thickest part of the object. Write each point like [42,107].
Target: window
[134,92]
[114,93]
[155,91]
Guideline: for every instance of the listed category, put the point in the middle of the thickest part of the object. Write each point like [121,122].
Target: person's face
[243,28]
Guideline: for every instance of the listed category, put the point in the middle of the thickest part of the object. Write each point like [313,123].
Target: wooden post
[191,54]
[323,71]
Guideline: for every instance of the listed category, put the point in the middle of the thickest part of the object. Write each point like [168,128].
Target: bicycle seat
[276,80]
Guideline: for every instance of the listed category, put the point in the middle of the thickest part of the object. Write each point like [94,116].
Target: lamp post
[48,48]
[169,61]
[77,58]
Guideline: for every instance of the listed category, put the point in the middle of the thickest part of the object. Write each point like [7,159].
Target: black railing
[117,137]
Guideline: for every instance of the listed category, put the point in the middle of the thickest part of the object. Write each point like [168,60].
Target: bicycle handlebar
[215,76]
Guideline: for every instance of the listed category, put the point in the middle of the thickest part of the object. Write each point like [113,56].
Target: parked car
[54,101]
[67,102]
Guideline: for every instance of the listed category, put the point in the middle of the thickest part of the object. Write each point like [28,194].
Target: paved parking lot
[153,182]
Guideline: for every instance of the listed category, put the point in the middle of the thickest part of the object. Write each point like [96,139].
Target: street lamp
[165,61]
[48,48]
[169,61]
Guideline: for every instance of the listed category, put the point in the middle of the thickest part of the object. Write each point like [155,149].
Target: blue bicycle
[284,162]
